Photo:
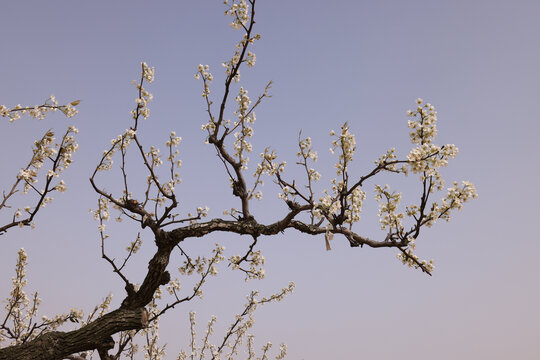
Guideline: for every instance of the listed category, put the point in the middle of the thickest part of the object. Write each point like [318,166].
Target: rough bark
[97,334]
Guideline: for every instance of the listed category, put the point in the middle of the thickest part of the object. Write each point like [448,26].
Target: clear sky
[364,62]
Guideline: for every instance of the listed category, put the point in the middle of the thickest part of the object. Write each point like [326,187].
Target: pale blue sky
[364,62]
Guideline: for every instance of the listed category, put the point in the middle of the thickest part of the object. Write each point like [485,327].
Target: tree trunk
[97,334]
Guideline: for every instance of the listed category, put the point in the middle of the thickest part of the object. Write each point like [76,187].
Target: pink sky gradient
[364,62]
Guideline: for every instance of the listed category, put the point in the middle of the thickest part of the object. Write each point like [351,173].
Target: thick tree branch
[58,345]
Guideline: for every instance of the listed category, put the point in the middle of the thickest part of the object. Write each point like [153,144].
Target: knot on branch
[218,143]
[165,278]
[130,289]
[338,219]
[293,205]
[248,220]
[238,189]
[353,242]
[105,346]
[132,205]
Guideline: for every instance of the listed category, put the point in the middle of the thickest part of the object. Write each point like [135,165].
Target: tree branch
[58,345]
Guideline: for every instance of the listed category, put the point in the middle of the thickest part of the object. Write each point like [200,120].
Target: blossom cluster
[330,206]
[154,156]
[202,264]
[39,111]
[102,213]
[388,206]
[427,157]
[232,66]
[236,334]
[344,205]
[144,96]
[18,304]
[67,147]
[47,148]
[411,260]
[346,144]
[423,128]
[120,143]
[175,163]
[246,118]
[326,206]
[389,162]
[355,200]
[255,259]
[151,348]
[455,197]
[306,152]
[268,165]
[287,193]
[204,72]
[99,310]
[44,150]
[21,323]
[148,73]
[173,286]
[135,245]
[239,11]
